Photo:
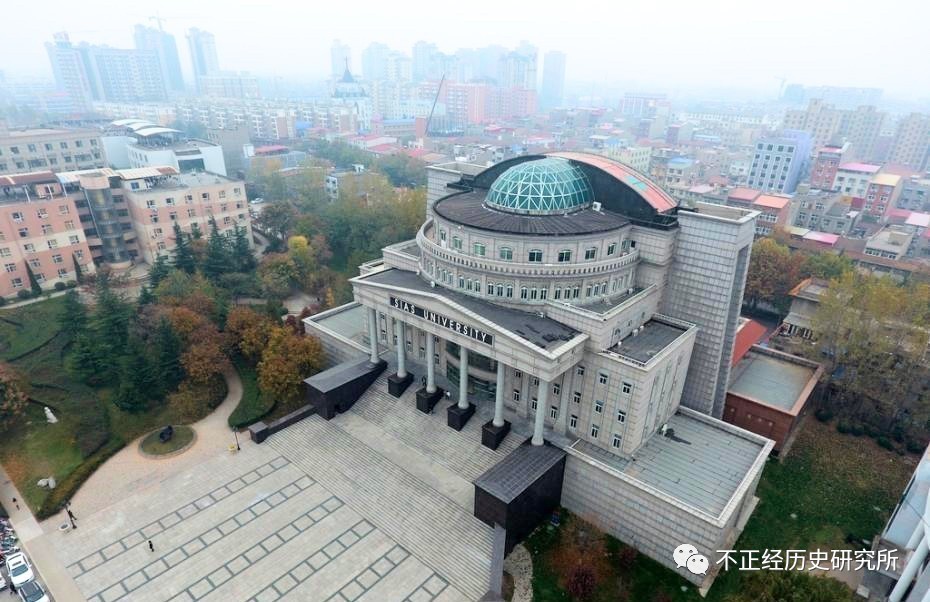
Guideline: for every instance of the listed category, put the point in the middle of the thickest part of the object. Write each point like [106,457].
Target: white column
[542,400]
[499,396]
[401,348]
[373,333]
[430,363]
[909,572]
[463,377]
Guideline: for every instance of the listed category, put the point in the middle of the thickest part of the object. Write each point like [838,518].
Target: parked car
[17,565]
[32,592]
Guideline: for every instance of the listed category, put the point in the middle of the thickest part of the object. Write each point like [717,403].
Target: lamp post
[236,435]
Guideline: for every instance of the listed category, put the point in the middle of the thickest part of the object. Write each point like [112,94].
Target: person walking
[151,546]
[12,587]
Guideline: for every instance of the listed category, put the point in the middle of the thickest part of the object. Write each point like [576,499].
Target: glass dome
[541,187]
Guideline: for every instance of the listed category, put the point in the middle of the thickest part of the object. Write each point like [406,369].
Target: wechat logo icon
[687,556]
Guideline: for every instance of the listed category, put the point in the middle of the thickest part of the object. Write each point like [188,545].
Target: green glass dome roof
[541,187]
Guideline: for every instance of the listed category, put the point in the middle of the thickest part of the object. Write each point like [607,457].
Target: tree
[167,348]
[159,271]
[146,297]
[826,265]
[12,396]
[286,361]
[250,331]
[83,361]
[218,259]
[203,360]
[138,378]
[773,271]
[78,273]
[73,317]
[183,254]
[276,219]
[242,257]
[33,281]
[278,274]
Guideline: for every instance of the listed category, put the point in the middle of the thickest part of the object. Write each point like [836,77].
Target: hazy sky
[648,44]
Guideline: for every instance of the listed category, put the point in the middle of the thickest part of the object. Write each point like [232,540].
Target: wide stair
[437,530]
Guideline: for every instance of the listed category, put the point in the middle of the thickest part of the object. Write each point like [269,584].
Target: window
[594,431]
[222,194]
[79,254]
[478,249]
[599,406]
[557,293]
[621,416]
[9,267]
[556,388]
[24,232]
[42,214]
[535,403]
[611,248]
[205,196]
[442,236]
[565,255]
[53,243]
[461,282]
[516,394]
[17,216]
[5,252]
[627,388]
[602,378]
[553,412]
[517,374]
[47,229]
[590,253]
[500,290]
[29,247]
[490,288]
[573,421]
[69,224]
[524,292]
[535,382]
[17,282]
[535,256]
[615,442]
[576,397]
[79,143]
[579,371]
[169,201]
[506,253]
[191,212]
[62,272]
[56,258]
[509,291]
[456,243]
[14,150]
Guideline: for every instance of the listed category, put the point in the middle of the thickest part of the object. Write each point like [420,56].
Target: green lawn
[837,486]
[90,427]
[253,406]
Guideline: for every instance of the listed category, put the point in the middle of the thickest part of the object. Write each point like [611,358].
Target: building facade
[573,295]
[163,45]
[779,162]
[53,149]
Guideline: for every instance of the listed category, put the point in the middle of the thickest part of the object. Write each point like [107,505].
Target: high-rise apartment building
[163,44]
[518,69]
[202,46]
[779,161]
[424,57]
[828,125]
[553,80]
[375,61]
[340,58]
[911,146]
[69,70]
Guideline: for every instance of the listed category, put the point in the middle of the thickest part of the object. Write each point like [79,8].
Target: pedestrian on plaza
[16,503]
[151,547]
[71,515]
[12,587]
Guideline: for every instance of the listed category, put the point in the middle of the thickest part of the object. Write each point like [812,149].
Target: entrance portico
[516,342]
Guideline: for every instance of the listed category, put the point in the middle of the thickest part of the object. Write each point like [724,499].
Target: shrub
[885,442]
[627,558]
[69,485]
[254,405]
[842,427]
[59,286]
[71,283]
[2,301]
[24,294]
[914,446]
[823,415]
[870,431]
[856,430]
[581,582]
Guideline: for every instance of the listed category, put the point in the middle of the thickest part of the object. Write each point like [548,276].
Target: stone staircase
[459,451]
[438,531]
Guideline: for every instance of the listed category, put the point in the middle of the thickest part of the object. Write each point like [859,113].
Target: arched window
[523,292]
[509,291]
[565,255]
[535,256]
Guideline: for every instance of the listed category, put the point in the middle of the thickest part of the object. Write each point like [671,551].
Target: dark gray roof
[769,379]
[469,209]
[653,337]
[338,375]
[540,331]
[511,476]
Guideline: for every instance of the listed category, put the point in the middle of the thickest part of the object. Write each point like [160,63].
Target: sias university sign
[444,321]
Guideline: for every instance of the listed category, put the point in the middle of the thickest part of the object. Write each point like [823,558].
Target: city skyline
[784,48]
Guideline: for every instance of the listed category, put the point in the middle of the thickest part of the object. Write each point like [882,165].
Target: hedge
[68,486]
[254,405]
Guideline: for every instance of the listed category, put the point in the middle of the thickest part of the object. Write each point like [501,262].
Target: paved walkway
[128,471]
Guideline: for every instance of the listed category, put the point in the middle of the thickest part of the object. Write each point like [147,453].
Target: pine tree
[217,261]
[138,381]
[78,273]
[110,324]
[73,316]
[82,362]
[145,296]
[243,258]
[160,269]
[196,232]
[168,349]
[33,282]
[183,255]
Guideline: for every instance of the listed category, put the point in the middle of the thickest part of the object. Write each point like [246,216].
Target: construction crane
[433,108]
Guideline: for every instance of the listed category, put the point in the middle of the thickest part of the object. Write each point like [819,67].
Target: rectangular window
[594,431]
[24,232]
[627,388]
[553,412]
[56,258]
[535,382]
[602,378]
[516,394]
[556,388]
[576,397]
[615,442]
[535,256]
[535,403]
[53,244]
[456,243]
[599,406]
[17,282]
[565,256]
[612,248]
[590,253]
[573,421]
[5,252]
[621,416]
[506,253]
[9,267]
[557,294]
[579,370]
[42,214]
[17,216]
[478,249]
[517,374]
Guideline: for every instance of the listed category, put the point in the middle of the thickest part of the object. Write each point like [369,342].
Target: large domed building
[567,300]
